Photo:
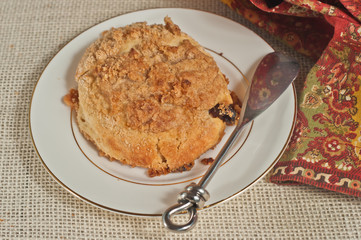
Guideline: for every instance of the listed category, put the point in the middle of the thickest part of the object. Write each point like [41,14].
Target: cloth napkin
[325,147]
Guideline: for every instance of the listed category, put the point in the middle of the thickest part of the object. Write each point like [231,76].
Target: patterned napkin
[325,148]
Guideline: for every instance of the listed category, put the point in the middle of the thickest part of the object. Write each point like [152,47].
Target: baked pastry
[144,97]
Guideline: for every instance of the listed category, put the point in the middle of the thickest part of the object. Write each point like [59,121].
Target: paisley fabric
[325,148]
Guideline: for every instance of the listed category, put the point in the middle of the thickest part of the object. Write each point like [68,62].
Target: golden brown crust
[144,95]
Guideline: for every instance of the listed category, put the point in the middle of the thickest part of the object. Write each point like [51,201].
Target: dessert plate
[75,164]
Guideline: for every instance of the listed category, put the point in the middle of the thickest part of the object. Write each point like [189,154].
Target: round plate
[75,164]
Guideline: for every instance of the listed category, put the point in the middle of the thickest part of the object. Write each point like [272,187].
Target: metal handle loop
[181,207]
[193,197]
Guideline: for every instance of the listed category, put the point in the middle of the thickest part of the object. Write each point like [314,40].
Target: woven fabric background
[34,206]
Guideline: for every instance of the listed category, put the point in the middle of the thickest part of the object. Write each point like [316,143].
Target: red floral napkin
[325,148]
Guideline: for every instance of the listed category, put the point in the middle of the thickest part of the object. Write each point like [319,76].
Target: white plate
[75,164]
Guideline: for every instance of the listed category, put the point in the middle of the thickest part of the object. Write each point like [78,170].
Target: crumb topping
[144,95]
[207,161]
[72,99]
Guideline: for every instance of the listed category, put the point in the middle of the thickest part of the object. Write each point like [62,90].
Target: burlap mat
[34,206]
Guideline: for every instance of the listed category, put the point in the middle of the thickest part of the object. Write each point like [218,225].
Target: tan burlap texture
[34,206]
